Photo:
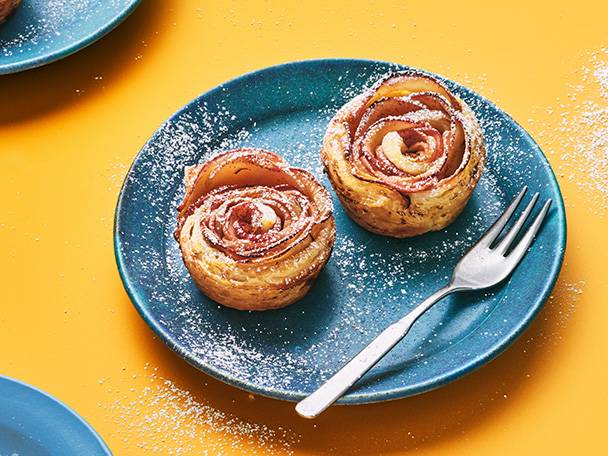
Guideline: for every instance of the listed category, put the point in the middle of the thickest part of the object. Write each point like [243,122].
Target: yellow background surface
[69,131]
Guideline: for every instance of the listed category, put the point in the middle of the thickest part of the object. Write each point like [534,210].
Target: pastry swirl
[404,156]
[254,232]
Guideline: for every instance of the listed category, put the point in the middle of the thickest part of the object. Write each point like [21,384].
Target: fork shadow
[419,421]
[38,91]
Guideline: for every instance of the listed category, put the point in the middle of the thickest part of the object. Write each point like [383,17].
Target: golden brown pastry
[254,232]
[404,156]
[6,8]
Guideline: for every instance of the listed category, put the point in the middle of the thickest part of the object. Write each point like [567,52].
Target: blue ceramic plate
[369,281]
[34,423]
[42,31]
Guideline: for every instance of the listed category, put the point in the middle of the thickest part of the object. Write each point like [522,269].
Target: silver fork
[483,266]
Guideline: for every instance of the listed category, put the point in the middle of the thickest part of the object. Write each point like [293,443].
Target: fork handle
[367,358]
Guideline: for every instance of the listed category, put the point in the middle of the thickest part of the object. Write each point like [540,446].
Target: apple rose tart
[7,7]
[254,232]
[404,156]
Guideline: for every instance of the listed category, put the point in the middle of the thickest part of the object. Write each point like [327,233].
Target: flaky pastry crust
[405,156]
[254,232]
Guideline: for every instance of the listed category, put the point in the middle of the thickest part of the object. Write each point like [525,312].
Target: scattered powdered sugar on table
[580,134]
[585,132]
[162,418]
[558,311]
[56,23]
[560,308]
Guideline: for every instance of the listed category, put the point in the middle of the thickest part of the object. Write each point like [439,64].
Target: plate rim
[352,398]
[62,406]
[72,48]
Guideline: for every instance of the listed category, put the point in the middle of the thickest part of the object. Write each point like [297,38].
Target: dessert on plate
[404,156]
[254,232]
[7,7]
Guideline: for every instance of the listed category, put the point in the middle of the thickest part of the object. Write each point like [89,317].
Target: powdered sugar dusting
[562,304]
[165,419]
[578,132]
[559,310]
[55,24]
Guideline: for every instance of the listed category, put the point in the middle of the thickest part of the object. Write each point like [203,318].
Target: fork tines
[508,239]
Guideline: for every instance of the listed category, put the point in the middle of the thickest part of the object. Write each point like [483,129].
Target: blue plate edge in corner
[66,51]
[61,406]
[355,398]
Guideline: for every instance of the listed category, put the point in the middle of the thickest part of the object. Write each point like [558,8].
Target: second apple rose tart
[404,156]
[254,232]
